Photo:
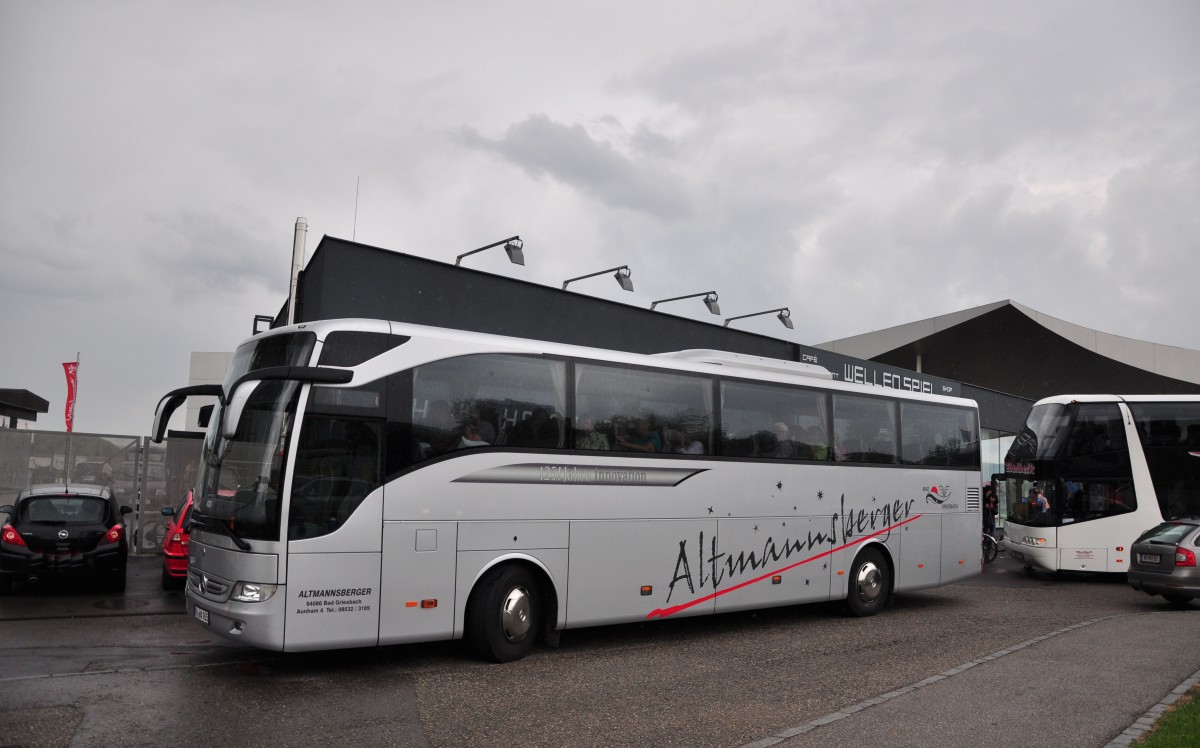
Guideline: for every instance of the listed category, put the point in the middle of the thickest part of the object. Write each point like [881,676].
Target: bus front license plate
[201,615]
[1149,558]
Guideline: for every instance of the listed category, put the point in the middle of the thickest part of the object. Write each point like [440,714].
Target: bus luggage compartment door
[638,569]
[418,600]
[920,563]
[780,560]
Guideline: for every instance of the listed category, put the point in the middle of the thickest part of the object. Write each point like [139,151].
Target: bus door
[333,565]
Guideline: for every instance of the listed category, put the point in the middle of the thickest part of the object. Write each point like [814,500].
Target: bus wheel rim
[515,616]
[869,581]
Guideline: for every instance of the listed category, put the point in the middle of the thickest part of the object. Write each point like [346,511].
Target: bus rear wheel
[504,614]
[870,584]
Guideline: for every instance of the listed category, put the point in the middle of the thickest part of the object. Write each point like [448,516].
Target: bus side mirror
[204,416]
[171,401]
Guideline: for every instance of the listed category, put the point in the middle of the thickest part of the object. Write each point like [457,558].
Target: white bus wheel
[504,614]
[870,584]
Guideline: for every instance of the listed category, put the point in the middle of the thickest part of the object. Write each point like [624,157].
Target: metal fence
[143,476]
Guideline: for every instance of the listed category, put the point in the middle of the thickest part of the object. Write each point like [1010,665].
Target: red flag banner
[71,368]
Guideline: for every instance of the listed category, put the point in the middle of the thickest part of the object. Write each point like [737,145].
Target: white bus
[370,483]
[1089,473]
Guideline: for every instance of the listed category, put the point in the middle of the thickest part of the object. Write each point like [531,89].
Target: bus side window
[865,428]
[773,422]
[938,435]
[640,405]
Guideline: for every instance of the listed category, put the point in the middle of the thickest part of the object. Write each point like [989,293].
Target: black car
[63,532]
[1164,561]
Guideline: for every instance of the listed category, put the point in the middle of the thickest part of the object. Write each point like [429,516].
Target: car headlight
[252,592]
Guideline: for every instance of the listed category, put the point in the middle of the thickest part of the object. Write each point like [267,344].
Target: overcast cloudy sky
[865,163]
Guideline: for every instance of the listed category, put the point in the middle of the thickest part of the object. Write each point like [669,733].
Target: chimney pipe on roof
[297,264]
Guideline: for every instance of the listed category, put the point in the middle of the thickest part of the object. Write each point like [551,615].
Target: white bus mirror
[171,401]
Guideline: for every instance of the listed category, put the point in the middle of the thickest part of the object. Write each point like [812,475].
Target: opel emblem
[62,534]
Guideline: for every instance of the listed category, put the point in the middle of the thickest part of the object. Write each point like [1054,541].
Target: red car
[175,545]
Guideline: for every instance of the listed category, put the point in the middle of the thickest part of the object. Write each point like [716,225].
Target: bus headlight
[1029,540]
[252,592]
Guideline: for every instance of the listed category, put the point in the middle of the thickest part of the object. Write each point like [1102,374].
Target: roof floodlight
[710,300]
[512,245]
[622,275]
[784,315]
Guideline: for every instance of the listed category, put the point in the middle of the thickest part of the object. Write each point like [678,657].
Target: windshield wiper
[203,521]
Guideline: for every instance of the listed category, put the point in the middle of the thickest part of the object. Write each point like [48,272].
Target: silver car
[1164,561]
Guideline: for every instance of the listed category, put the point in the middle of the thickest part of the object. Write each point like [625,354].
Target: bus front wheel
[870,584]
[503,615]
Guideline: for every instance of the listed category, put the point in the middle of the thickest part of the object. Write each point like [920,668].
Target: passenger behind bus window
[483,421]
[470,436]
[640,438]
[539,430]
[680,443]
[784,447]
[590,438]
[814,446]
[1037,502]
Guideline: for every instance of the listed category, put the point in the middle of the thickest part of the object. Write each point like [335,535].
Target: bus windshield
[241,478]
[1044,431]
[1072,467]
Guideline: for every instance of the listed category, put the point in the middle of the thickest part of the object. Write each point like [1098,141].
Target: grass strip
[1179,727]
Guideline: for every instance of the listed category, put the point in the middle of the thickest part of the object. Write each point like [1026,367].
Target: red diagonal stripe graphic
[664,612]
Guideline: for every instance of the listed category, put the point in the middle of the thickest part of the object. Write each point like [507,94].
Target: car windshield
[1170,533]
[240,479]
[63,510]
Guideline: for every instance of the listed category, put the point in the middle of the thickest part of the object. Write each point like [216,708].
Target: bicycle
[989,547]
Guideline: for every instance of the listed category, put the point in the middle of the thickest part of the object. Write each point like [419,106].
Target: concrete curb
[1145,723]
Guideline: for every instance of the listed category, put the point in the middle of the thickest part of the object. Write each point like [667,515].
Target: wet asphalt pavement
[1002,659]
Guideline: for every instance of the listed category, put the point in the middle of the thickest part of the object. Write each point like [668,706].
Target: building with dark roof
[1003,355]
[1011,348]
[20,405]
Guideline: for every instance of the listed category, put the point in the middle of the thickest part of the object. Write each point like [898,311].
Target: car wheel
[870,584]
[6,586]
[504,614]
[117,582]
[1178,599]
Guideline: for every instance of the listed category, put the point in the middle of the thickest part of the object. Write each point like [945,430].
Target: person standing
[989,510]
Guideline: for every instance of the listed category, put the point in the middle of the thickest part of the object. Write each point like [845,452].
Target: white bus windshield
[1074,468]
[241,477]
